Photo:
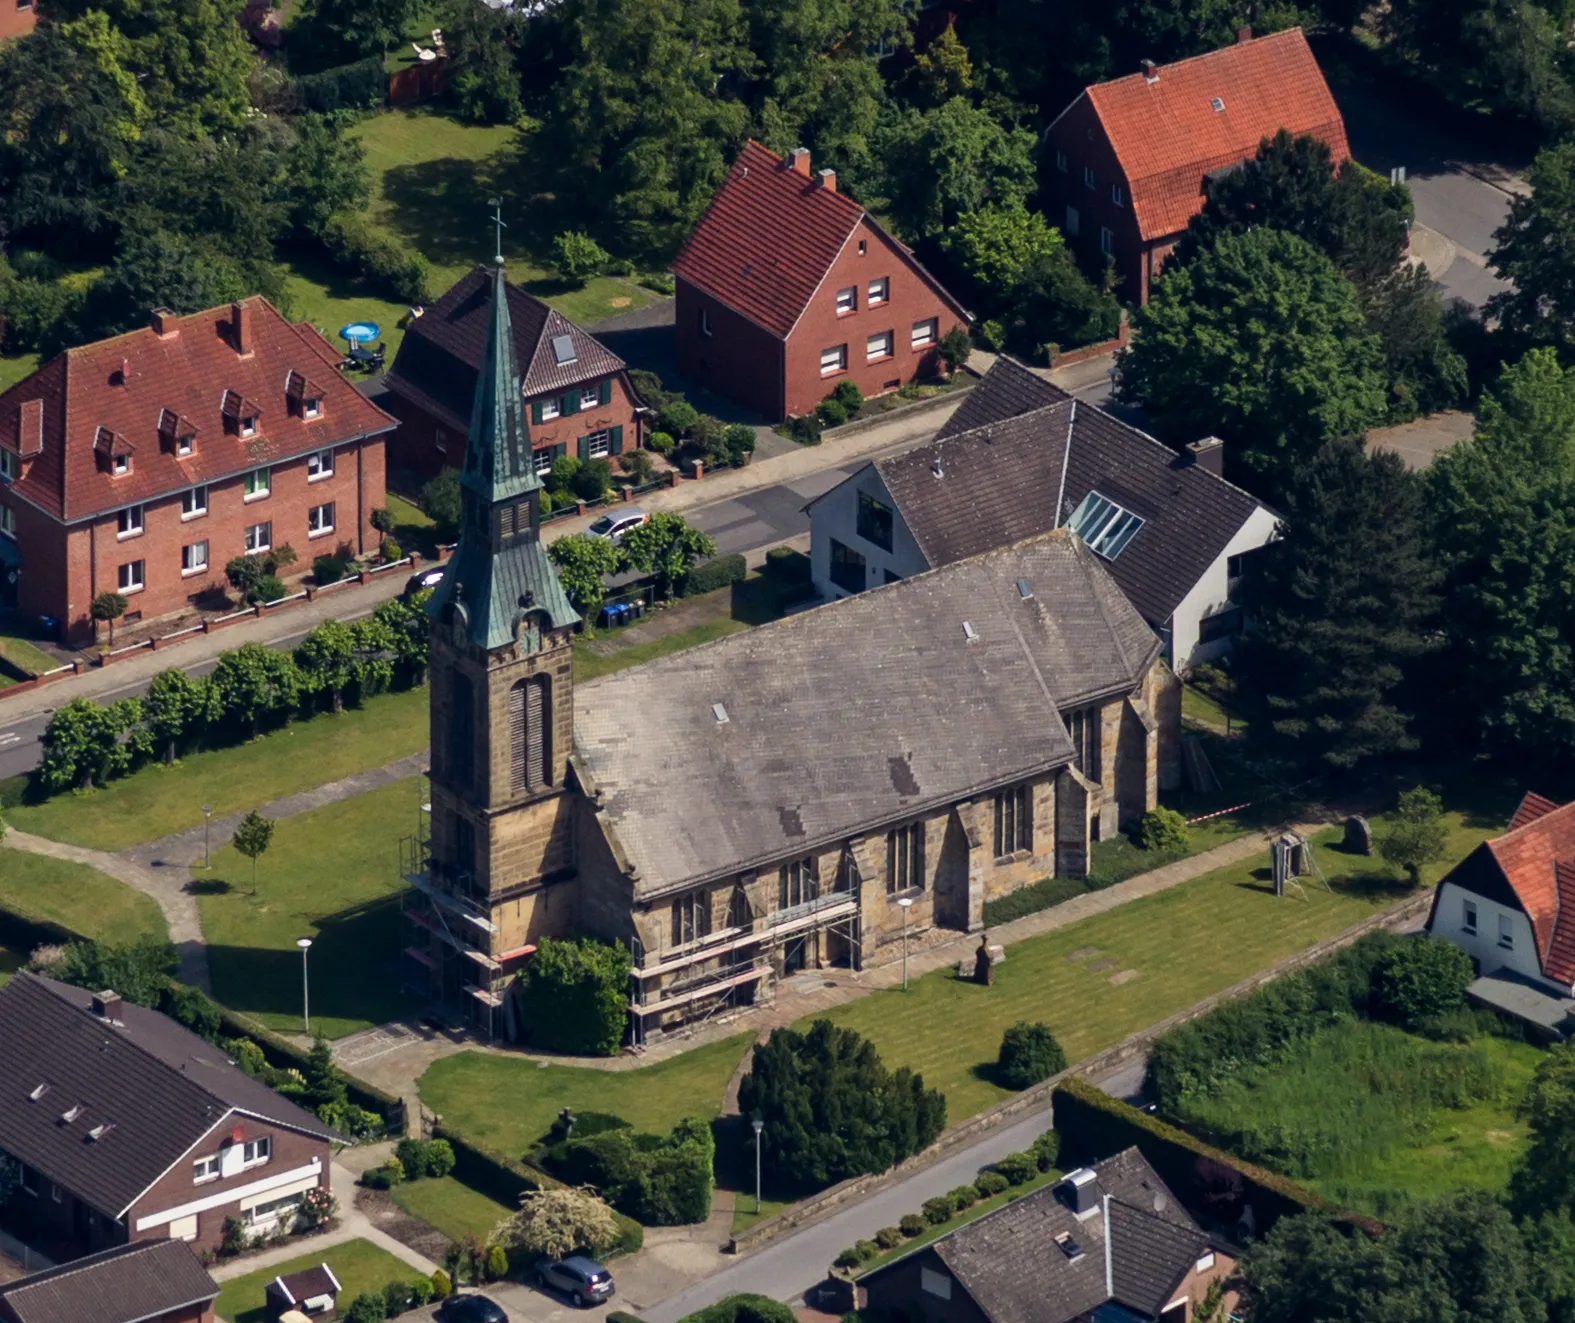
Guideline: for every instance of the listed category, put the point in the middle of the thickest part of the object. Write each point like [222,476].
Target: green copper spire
[498,462]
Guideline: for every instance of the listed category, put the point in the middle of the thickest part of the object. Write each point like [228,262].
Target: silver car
[583,1280]
[615,524]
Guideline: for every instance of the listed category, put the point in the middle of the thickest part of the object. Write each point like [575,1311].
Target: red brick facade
[17,18]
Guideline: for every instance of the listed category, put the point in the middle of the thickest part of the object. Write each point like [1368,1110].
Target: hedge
[356,246]
[1093,1126]
[788,565]
[714,574]
[659,1180]
[347,87]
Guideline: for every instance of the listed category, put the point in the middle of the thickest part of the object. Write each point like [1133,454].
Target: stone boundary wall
[1038,1097]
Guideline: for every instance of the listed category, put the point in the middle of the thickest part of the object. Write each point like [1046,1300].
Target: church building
[807,794]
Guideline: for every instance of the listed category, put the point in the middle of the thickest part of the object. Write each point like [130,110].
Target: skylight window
[563,349]
[1104,526]
[1218,105]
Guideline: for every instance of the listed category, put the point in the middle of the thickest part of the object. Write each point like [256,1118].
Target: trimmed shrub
[753,1308]
[831,412]
[328,569]
[888,1238]
[347,87]
[1419,981]
[661,442]
[939,1210]
[390,1173]
[659,1180]
[392,550]
[963,1197]
[421,1292]
[593,481]
[990,1183]
[637,464]
[848,1258]
[805,430]
[867,1249]
[577,257]
[573,996]
[270,588]
[396,1299]
[367,1308]
[678,417]
[714,574]
[788,566]
[1163,830]
[497,1263]
[849,396]
[1029,1053]
[1046,1149]
[911,1224]
[369,253]
[739,442]
[442,1285]
[1017,1168]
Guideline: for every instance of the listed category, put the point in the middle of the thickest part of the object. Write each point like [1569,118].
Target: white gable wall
[1483,945]
[836,515]
[1211,594]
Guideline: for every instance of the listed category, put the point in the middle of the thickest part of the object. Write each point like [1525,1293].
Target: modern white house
[1020,457]
[1510,906]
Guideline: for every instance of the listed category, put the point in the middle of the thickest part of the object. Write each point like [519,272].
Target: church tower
[502,845]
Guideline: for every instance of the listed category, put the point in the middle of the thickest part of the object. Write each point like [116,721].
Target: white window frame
[273,1212]
[10,465]
[247,425]
[132,576]
[925,333]
[1468,917]
[255,1152]
[1074,222]
[590,397]
[545,458]
[311,407]
[8,521]
[1090,182]
[24,1176]
[320,465]
[130,522]
[315,517]
[119,465]
[847,300]
[194,502]
[1107,241]
[1118,195]
[189,564]
[603,440]
[258,538]
[257,485]
[833,360]
[550,409]
[879,291]
[205,1170]
[879,347]
[1506,932]
[184,445]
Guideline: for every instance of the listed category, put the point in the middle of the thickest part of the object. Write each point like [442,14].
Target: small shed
[312,1292]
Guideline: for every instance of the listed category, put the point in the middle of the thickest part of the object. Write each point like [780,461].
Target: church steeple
[498,465]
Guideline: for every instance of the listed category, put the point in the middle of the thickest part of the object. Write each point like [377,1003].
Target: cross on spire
[499,225]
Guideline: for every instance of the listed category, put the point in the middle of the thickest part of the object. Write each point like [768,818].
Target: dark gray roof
[125,1284]
[442,350]
[1008,389]
[317,1280]
[1001,479]
[157,1087]
[857,713]
[1010,1263]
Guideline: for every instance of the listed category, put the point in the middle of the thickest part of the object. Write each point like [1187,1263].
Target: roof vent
[936,469]
[99,1131]
[38,1093]
[71,1113]
[1080,1191]
[1025,590]
[969,632]
[563,349]
[1217,104]
[720,713]
[1069,1247]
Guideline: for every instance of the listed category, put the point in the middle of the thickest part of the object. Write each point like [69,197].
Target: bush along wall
[659,1180]
[714,574]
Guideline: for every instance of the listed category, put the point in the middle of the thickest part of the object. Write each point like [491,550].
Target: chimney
[106,1005]
[1244,34]
[1150,71]
[241,328]
[1080,1191]
[1209,454]
[164,324]
[828,180]
[798,158]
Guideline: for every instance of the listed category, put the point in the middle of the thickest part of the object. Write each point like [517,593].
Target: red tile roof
[768,238]
[126,386]
[1168,135]
[1532,806]
[1537,859]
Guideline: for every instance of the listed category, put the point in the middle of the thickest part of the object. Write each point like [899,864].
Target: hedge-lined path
[184,849]
[168,889]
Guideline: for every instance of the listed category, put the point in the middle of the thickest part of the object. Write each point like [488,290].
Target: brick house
[1107,1244]
[577,394]
[1127,164]
[150,1281]
[17,18]
[786,287]
[1018,458]
[131,1128]
[982,742]
[143,463]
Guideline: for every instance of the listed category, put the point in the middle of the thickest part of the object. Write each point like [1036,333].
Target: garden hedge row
[659,1180]
[346,87]
[713,574]
[1093,1126]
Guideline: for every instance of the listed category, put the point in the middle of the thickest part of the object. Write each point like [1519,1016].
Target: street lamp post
[759,1126]
[207,817]
[305,943]
[905,904]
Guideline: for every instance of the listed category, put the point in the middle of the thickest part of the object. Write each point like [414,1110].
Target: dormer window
[184,445]
[113,451]
[240,413]
[305,396]
[120,465]
[10,465]
[177,434]
[248,425]
[311,407]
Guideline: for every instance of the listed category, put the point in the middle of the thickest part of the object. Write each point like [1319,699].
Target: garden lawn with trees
[358,1264]
[333,875]
[451,1206]
[89,903]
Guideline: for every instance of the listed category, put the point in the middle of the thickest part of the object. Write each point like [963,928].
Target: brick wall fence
[1123,335]
[1038,1097]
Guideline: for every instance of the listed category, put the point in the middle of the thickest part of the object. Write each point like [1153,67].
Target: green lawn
[452,1207]
[77,897]
[744,1214]
[10,962]
[331,875]
[159,800]
[507,1105]
[22,653]
[590,665]
[413,527]
[13,367]
[358,1264]
[1173,949]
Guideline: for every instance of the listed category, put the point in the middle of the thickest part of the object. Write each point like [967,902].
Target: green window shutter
[535,412]
[585,448]
[606,390]
[560,450]
[616,440]
[571,402]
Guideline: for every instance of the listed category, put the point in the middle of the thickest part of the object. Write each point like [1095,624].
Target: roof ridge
[1218,51]
[972,432]
[1526,826]
[86,1263]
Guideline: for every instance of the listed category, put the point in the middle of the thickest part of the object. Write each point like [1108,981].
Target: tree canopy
[1534,250]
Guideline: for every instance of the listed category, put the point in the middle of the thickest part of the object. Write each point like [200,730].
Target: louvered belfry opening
[530,737]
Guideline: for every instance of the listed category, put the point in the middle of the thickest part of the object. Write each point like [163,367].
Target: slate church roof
[865,710]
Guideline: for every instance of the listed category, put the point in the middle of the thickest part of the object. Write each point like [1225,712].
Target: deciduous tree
[327,172]
[325,660]
[667,547]
[1417,836]
[557,1223]
[1534,251]
[252,839]
[176,707]
[255,684]
[583,563]
[78,742]
[108,607]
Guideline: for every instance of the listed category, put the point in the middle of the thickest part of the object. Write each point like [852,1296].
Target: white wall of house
[1212,594]
[835,516]
[1486,941]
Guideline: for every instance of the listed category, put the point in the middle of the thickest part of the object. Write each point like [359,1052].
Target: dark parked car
[583,1280]
[428,578]
[471,1308]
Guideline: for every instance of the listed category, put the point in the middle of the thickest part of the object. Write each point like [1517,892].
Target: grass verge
[331,875]
[159,800]
[451,1206]
[507,1104]
[24,655]
[358,1264]
[77,897]
[931,1234]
